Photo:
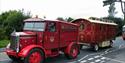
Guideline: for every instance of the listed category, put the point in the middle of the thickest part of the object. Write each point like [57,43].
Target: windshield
[37,26]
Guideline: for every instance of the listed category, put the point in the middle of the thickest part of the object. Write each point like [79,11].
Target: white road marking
[83,61]
[107,50]
[115,60]
[96,56]
[90,58]
[103,58]
[102,62]
[83,58]
[101,54]
[98,60]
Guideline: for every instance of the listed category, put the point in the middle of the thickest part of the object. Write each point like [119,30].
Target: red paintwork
[35,57]
[67,50]
[11,52]
[94,32]
[74,52]
[49,42]
[24,52]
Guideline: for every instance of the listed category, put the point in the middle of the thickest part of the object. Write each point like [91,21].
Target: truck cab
[41,39]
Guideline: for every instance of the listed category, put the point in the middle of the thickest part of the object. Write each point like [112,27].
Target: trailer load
[95,33]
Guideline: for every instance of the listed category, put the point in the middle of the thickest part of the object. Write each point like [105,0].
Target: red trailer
[42,39]
[95,33]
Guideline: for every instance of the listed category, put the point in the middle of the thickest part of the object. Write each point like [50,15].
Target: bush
[119,22]
[11,20]
[3,43]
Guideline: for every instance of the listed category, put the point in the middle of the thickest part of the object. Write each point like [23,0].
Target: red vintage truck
[41,39]
[95,33]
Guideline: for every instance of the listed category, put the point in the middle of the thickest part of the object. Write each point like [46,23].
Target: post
[124,13]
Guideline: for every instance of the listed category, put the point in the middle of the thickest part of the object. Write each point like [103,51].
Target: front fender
[67,50]
[24,52]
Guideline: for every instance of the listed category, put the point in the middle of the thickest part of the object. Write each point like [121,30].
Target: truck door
[51,36]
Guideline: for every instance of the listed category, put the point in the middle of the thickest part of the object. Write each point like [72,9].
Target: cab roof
[43,20]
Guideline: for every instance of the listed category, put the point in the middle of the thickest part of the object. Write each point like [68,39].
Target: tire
[96,47]
[80,46]
[13,58]
[35,56]
[111,43]
[73,52]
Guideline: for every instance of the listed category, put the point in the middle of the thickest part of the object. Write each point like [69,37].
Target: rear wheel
[73,52]
[95,47]
[34,56]
[111,43]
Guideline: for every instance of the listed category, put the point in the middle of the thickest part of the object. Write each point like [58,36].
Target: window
[28,26]
[81,27]
[39,26]
[52,27]
[34,26]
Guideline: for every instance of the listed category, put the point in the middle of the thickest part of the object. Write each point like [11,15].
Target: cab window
[52,27]
[81,27]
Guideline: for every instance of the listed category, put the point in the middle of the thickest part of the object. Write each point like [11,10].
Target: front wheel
[80,46]
[73,52]
[34,56]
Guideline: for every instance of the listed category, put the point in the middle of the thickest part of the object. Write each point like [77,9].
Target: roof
[34,19]
[96,21]
[39,19]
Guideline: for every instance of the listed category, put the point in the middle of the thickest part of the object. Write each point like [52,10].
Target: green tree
[61,19]
[11,20]
[118,21]
[69,19]
[112,8]
[109,2]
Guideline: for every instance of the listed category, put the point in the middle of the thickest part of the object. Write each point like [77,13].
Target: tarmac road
[116,54]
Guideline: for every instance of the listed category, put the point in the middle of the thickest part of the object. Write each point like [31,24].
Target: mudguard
[67,51]
[24,52]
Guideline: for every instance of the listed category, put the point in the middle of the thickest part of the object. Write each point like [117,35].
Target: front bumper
[11,52]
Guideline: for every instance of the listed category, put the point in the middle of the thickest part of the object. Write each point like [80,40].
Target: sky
[59,8]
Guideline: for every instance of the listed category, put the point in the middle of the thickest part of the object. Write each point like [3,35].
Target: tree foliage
[112,8]
[65,19]
[11,20]
[61,19]
[118,21]
[69,19]
[108,2]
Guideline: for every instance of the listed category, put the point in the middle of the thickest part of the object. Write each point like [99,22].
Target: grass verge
[3,43]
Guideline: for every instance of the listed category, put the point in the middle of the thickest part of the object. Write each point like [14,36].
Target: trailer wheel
[13,58]
[73,52]
[34,56]
[95,47]
[111,43]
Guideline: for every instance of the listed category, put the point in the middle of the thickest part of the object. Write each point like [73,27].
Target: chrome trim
[14,44]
